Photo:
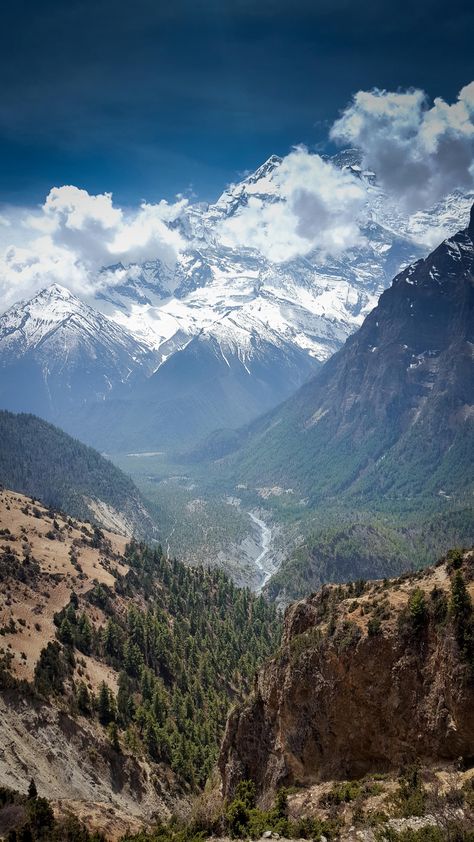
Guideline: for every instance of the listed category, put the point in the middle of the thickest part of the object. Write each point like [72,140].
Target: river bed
[263,562]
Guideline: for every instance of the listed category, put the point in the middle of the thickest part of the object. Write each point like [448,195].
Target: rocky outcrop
[360,684]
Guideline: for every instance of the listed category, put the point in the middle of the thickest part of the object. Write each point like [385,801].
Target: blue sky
[147,99]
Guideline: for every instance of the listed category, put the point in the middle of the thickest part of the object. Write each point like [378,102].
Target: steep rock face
[70,763]
[413,352]
[339,702]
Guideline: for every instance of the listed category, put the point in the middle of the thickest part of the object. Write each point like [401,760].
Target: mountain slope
[44,462]
[390,414]
[207,385]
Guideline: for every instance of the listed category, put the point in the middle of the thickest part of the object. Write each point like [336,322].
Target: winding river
[263,563]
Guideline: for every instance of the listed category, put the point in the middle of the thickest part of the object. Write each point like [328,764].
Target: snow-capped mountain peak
[56,291]
[58,355]
[258,184]
[28,324]
[56,322]
[313,302]
[264,170]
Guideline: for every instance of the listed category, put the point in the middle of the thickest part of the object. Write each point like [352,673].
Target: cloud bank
[74,234]
[315,206]
[419,153]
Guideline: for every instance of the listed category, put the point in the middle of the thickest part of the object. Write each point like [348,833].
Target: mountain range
[165,355]
[398,398]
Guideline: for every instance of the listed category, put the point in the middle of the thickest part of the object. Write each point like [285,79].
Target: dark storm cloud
[145,98]
[420,152]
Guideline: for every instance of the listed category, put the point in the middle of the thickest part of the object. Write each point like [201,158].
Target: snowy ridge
[58,355]
[258,184]
[56,318]
[234,295]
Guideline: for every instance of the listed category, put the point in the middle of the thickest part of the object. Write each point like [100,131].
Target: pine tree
[32,791]
[461,611]
[104,705]
[84,634]
[151,738]
[65,633]
[112,732]
[83,699]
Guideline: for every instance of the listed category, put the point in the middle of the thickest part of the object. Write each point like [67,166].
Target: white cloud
[315,206]
[147,236]
[419,152]
[74,234]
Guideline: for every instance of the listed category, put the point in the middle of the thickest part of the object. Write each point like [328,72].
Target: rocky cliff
[369,677]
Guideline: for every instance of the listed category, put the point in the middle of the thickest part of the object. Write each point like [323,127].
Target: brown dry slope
[56,557]
[44,558]
[367,679]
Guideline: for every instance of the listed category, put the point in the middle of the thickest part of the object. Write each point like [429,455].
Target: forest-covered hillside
[130,659]
[42,461]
